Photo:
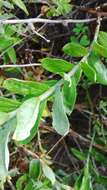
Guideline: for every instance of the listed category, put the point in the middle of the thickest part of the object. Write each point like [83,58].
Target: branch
[20,66]
[48,21]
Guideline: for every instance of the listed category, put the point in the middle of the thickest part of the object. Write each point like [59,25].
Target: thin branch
[20,66]
[48,21]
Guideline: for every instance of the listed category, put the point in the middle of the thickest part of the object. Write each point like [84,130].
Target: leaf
[5,131]
[25,87]
[77,75]
[34,169]
[48,172]
[99,49]
[56,65]
[36,126]
[78,154]
[69,95]
[21,5]
[102,38]
[8,105]
[75,49]
[86,181]
[29,186]
[99,68]
[26,117]
[60,120]
[21,181]
[5,43]
[77,185]
[84,40]
[12,54]
[5,117]
[89,71]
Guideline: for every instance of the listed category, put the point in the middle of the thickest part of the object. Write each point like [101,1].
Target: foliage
[20,118]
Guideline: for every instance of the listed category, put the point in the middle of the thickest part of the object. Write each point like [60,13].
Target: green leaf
[84,41]
[99,68]
[5,43]
[4,117]
[99,49]
[60,120]
[48,172]
[5,131]
[56,65]
[21,5]
[86,181]
[78,154]
[26,117]
[69,95]
[75,49]
[12,54]
[102,38]
[29,186]
[89,71]
[25,87]
[36,126]
[77,75]
[77,185]
[8,105]
[34,169]
[21,181]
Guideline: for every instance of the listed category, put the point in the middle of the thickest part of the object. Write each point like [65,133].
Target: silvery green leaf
[26,116]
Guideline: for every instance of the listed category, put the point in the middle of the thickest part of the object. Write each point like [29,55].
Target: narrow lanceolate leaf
[12,54]
[26,116]
[48,172]
[25,87]
[8,105]
[69,95]
[21,5]
[5,131]
[56,65]
[60,120]
[75,49]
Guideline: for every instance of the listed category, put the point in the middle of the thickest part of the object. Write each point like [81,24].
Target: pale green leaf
[60,120]
[27,115]
[48,172]
[36,126]
[5,131]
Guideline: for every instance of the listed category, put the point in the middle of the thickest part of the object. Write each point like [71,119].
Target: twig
[11,185]
[29,152]
[48,21]
[56,144]
[37,33]
[21,66]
